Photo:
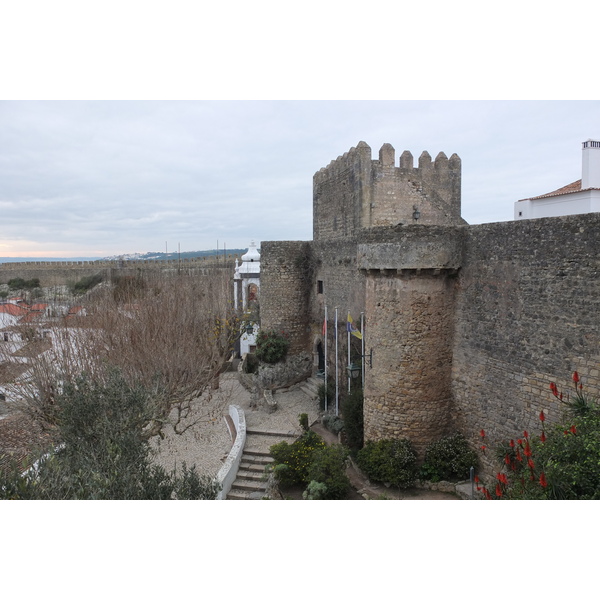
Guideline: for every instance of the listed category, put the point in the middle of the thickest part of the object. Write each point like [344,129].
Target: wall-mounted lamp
[354,370]
[416,214]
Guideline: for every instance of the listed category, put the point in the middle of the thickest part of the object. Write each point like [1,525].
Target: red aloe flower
[483,448]
[488,496]
[554,389]
[543,437]
[482,434]
[507,459]
[503,479]
[476,479]
[520,442]
[519,457]
[566,432]
[512,443]
[498,490]
[530,464]
[527,450]
[543,481]
[573,430]
[580,386]
[575,376]
[542,416]
[525,435]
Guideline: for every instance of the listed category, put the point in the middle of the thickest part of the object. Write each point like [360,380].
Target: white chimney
[590,172]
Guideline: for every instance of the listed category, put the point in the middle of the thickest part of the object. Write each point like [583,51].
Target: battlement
[355,191]
[52,273]
[114,264]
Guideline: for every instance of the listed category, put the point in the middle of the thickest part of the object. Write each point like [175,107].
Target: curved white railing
[228,472]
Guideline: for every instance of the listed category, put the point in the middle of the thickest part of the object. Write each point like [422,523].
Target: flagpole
[362,346]
[325,336]
[349,373]
[336,363]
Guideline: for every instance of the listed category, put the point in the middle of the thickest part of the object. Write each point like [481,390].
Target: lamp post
[354,370]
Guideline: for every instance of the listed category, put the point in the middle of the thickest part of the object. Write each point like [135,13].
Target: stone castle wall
[284,292]
[52,273]
[527,313]
[355,192]
[468,324]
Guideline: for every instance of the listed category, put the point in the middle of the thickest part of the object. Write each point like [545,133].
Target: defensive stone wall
[63,272]
[527,313]
[284,288]
[468,324]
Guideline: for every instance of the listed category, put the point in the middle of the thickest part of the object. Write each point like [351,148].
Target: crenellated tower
[355,192]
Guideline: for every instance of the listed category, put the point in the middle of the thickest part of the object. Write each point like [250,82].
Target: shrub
[329,468]
[315,491]
[560,464]
[303,418]
[103,454]
[353,420]
[19,283]
[271,346]
[333,423]
[85,284]
[297,458]
[389,461]
[330,395]
[251,364]
[450,458]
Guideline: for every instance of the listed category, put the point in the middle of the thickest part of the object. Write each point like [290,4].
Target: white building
[246,285]
[581,196]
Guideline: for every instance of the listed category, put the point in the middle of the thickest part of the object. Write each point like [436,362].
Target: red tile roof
[567,189]
[40,306]
[13,309]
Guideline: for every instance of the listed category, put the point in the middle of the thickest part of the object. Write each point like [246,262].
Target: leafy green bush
[333,423]
[297,458]
[560,464]
[19,283]
[450,458]
[352,410]
[315,491]
[85,284]
[329,468]
[271,346]
[102,453]
[389,461]
[251,364]
[330,395]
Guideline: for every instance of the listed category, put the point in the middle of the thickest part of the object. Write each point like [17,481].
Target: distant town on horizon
[135,256]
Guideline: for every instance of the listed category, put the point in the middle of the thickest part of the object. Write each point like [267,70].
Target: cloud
[113,177]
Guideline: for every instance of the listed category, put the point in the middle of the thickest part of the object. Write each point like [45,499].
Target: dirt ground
[363,489]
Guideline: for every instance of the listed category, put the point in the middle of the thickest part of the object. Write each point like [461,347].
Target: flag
[352,329]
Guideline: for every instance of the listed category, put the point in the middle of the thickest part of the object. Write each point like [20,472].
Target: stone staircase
[251,481]
[311,386]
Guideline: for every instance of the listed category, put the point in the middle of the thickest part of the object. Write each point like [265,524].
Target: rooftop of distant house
[572,188]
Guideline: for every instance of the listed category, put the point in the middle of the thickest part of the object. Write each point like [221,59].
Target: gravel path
[207,444]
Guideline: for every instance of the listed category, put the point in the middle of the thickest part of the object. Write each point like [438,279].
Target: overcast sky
[81,178]
[252,106]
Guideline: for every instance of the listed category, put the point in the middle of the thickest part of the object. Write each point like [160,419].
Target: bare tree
[172,334]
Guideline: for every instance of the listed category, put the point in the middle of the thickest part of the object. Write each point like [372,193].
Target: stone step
[244,495]
[250,476]
[283,434]
[256,467]
[248,485]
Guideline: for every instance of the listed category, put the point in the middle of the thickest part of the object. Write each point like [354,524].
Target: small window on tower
[319,287]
